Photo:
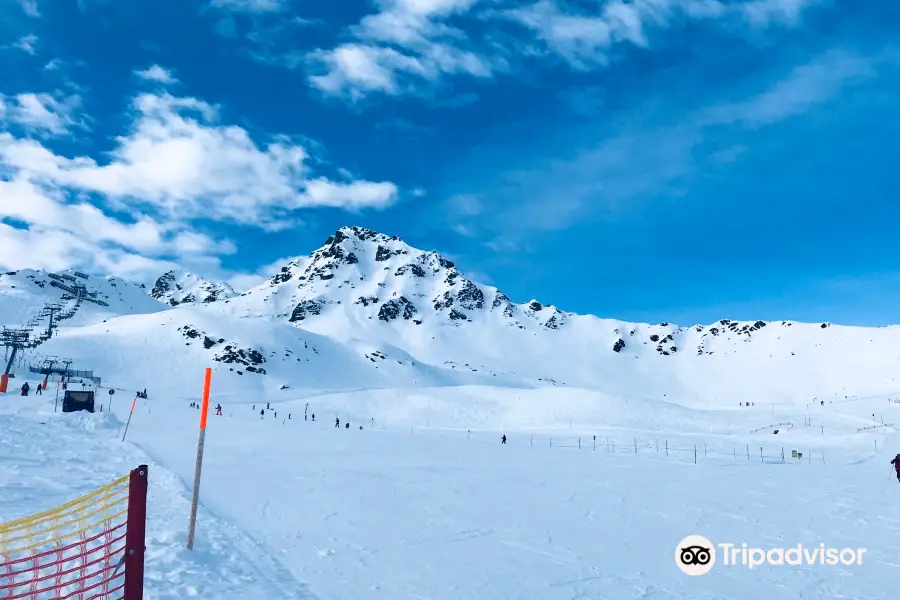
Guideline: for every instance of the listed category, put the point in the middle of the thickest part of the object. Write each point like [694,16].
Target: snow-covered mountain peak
[370,276]
[182,287]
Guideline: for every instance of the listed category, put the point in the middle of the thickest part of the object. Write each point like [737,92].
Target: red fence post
[135,534]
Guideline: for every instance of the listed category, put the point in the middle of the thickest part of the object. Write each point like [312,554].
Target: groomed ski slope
[419,507]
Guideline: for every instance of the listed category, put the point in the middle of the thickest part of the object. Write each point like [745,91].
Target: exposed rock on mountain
[180,287]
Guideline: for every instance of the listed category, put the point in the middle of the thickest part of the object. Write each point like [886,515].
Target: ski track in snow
[47,459]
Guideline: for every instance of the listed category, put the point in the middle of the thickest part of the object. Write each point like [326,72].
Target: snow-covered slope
[182,287]
[384,314]
[591,507]
[24,293]
[362,285]
[167,351]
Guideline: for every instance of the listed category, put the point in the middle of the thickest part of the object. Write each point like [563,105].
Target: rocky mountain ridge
[182,287]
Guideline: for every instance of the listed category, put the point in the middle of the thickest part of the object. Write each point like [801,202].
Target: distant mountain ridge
[182,287]
[366,309]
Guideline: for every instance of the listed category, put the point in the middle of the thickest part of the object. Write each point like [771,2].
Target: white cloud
[241,282]
[133,212]
[57,235]
[30,7]
[585,38]
[41,113]
[805,87]
[54,65]
[179,161]
[408,43]
[49,209]
[616,172]
[250,6]
[763,13]
[26,44]
[353,195]
[158,74]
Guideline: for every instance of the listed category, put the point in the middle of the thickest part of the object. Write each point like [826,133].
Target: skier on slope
[39,390]
[314,417]
[219,409]
[896,463]
[262,413]
[337,422]
[503,439]
[25,388]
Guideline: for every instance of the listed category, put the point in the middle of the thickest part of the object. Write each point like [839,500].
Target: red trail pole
[204,411]
[133,403]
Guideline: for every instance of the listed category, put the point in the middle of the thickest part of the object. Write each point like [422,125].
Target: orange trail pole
[133,403]
[204,412]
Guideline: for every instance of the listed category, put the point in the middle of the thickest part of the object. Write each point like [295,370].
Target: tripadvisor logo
[696,555]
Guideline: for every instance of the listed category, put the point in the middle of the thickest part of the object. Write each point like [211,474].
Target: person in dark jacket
[219,410]
[314,417]
[503,439]
[337,422]
[896,463]
[25,388]
[40,389]
[262,413]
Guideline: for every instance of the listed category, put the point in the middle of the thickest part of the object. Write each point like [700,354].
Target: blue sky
[679,160]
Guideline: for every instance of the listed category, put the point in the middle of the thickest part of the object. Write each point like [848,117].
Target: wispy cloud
[411,44]
[27,44]
[404,44]
[40,114]
[764,13]
[804,88]
[648,157]
[158,74]
[54,64]
[250,6]
[30,8]
[585,38]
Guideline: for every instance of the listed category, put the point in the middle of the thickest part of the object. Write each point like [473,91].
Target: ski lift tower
[50,310]
[66,362]
[47,369]
[17,339]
